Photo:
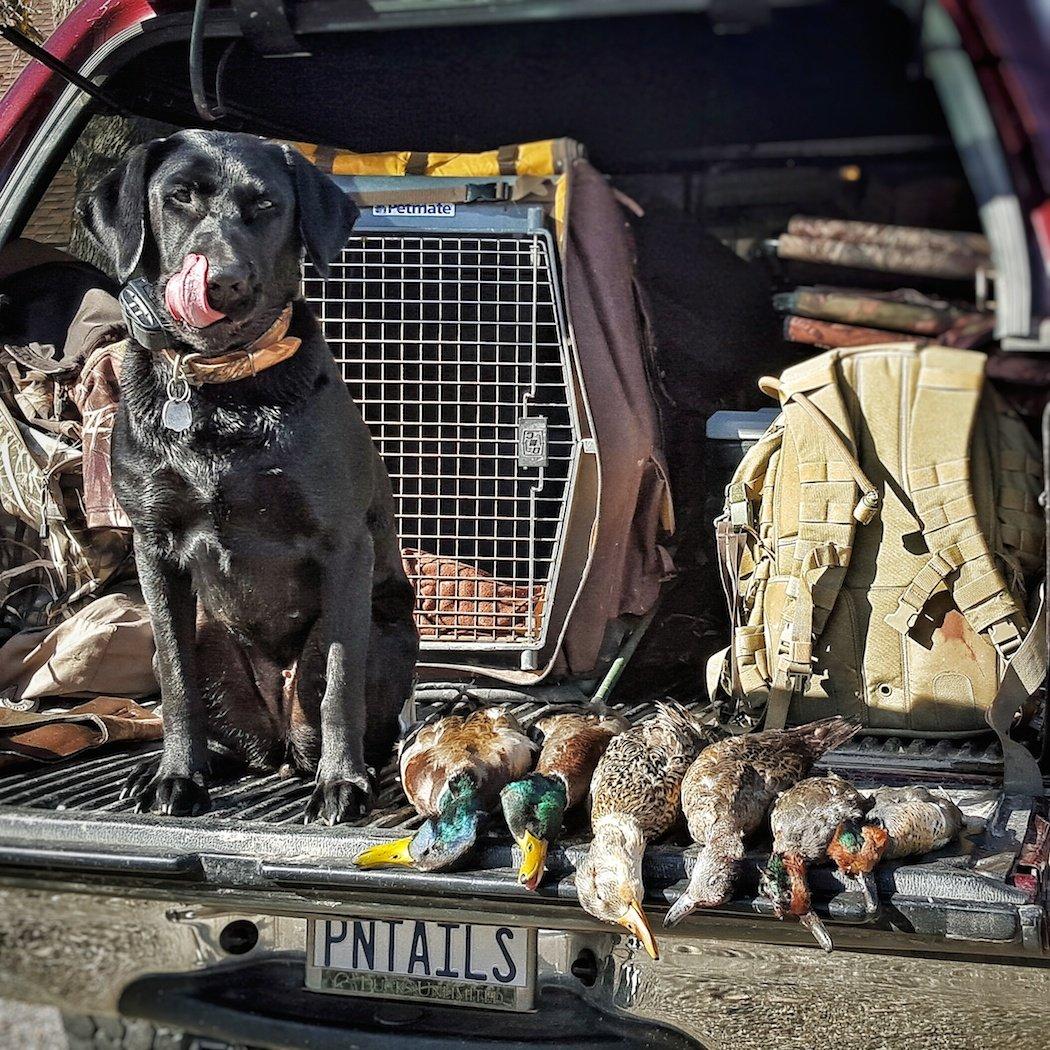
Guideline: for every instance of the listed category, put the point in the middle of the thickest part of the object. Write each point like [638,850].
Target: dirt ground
[29,1027]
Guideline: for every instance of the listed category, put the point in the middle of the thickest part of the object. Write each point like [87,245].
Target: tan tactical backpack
[879,548]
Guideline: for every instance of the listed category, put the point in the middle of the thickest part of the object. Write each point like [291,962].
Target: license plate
[458,963]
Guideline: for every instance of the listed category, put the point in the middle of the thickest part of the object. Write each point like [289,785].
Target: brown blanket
[452,594]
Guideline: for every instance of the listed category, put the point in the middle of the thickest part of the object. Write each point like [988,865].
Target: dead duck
[729,789]
[572,742]
[635,799]
[903,822]
[452,770]
[804,820]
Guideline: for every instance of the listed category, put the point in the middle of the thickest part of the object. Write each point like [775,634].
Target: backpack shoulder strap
[1025,673]
[830,480]
[949,387]
[736,533]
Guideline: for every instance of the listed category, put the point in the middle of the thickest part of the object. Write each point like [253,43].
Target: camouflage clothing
[53,556]
[96,394]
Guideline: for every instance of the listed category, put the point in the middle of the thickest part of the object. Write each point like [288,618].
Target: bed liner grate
[93,783]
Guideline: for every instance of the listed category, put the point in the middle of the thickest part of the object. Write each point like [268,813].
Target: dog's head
[218,221]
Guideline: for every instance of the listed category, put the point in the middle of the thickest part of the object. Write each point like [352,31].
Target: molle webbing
[913,625]
[834,494]
[949,389]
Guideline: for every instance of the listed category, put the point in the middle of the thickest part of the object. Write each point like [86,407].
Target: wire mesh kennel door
[452,343]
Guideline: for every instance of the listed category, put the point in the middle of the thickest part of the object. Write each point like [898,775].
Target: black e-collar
[142,316]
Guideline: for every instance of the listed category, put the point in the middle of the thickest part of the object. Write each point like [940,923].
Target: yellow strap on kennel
[544,158]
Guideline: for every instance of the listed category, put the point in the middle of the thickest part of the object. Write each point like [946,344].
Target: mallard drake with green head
[634,799]
[903,822]
[572,742]
[452,771]
[729,789]
[803,820]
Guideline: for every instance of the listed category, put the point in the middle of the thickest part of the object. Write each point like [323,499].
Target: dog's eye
[262,204]
[180,194]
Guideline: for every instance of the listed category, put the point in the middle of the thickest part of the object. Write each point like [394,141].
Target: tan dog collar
[271,348]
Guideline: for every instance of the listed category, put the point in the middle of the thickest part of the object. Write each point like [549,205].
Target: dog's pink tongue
[186,294]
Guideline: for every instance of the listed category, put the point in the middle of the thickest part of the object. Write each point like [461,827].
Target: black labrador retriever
[263,516]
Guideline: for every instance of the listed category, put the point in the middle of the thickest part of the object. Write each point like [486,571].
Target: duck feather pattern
[488,744]
[640,774]
[916,819]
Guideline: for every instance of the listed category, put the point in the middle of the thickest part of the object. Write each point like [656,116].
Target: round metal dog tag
[176,415]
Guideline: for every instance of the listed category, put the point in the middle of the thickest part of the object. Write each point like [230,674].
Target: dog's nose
[227,285]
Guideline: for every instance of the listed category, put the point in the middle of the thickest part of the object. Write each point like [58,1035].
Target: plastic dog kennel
[447,314]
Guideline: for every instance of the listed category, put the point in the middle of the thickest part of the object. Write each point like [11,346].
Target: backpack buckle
[1006,639]
[867,508]
[738,504]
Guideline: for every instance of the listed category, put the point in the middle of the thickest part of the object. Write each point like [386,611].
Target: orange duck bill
[634,919]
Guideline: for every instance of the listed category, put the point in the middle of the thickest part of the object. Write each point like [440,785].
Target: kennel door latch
[532,441]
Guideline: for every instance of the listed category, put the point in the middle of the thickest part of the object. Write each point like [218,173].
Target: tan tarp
[106,647]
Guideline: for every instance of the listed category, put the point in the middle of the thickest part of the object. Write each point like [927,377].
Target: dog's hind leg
[393,645]
[391,667]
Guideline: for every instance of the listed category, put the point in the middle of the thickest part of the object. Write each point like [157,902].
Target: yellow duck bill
[387,855]
[634,920]
[533,860]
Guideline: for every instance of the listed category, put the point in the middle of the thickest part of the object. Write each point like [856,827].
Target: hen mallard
[452,770]
[804,819]
[903,822]
[572,744]
[634,799]
[727,792]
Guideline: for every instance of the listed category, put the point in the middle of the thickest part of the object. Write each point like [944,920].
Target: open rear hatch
[689,137]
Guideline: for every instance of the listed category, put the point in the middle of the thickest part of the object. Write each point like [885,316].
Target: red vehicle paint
[36,91]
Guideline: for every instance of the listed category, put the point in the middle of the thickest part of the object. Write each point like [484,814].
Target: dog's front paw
[170,794]
[339,798]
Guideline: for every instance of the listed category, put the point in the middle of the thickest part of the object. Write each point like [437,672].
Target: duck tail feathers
[690,732]
[826,734]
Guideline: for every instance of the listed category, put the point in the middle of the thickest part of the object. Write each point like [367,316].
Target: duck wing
[572,746]
[734,781]
[640,775]
[723,794]
[804,817]
[917,820]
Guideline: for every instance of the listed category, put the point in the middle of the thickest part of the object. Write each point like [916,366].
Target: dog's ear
[115,212]
[326,213]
